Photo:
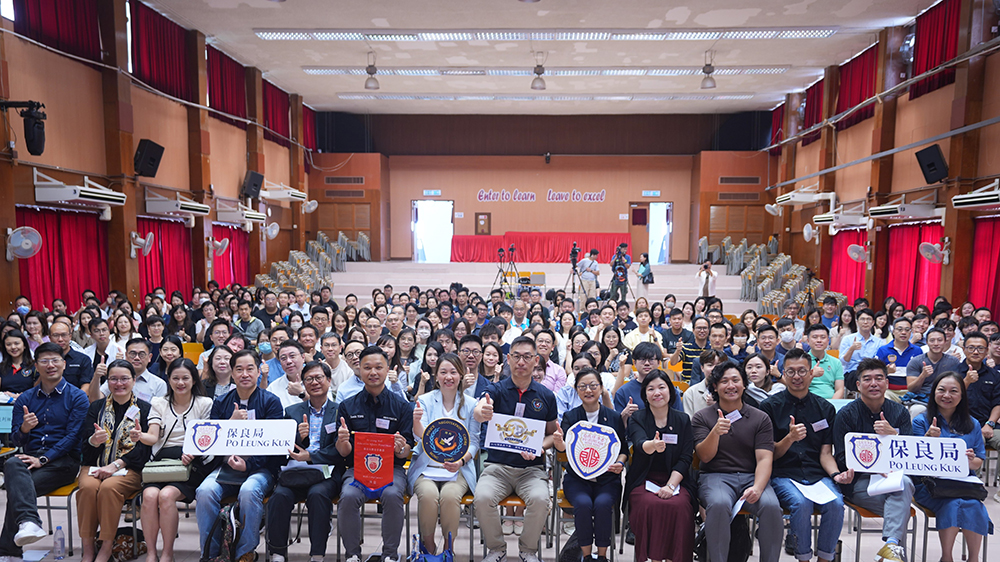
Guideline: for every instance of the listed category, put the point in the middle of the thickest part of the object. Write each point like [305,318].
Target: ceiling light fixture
[549,70]
[554,34]
[708,83]
[371,83]
[538,83]
[542,97]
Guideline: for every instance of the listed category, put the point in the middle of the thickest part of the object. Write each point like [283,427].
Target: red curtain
[73,257]
[857,83]
[169,264]
[233,266]
[476,248]
[227,87]
[984,290]
[913,280]
[276,107]
[308,128]
[935,42]
[159,52]
[846,275]
[777,127]
[814,111]
[67,25]
[537,247]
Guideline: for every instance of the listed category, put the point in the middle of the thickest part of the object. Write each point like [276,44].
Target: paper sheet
[817,493]
[736,509]
[655,488]
[121,472]
[879,485]
[34,555]
[439,474]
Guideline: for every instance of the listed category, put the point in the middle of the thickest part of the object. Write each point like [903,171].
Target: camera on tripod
[574,255]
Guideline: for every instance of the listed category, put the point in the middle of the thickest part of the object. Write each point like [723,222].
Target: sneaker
[891,553]
[996,497]
[315,559]
[790,544]
[28,532]
[518,527]
[277,558]
[569,528]
[530,557]
[354,559]
[602,559]
[507,527]
[495,556]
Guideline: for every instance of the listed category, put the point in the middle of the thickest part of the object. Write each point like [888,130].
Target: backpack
[740,541]
[124,546]
[227,525]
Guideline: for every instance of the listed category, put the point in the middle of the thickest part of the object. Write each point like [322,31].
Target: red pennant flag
[374,454]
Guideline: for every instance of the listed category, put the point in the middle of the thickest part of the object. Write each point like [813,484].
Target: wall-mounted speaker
[932,164]
[147,158]
[251,185]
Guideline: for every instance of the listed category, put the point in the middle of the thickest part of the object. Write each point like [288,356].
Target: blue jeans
[251,496]
[830,524]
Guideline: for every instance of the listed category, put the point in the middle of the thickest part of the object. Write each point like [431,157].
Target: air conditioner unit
[841,217]
[984,198]
[281,192]
[49,190]
[808,194]
[182,207]
[235,212]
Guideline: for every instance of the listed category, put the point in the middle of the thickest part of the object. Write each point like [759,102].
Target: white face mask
[296,325]
[423,333]
[741,341]
[787,337]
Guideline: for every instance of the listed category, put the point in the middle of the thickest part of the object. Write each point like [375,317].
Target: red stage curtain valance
[857,83]
[536,247]
[169,264]
[846,275]
[777,127]
[814,111]
[913,280]
[73,258]
[227,87]
[984,288]
[276,108]
[159,52]
[233,266]
[935,42]
[68,25]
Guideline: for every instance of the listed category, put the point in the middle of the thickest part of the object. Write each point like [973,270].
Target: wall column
[298,177]
[118,129]
[255,162]
[199,158]
[8,214]
[786,168]
[827,159]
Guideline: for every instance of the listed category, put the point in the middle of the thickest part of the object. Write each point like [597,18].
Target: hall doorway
[650,228]
[432,227]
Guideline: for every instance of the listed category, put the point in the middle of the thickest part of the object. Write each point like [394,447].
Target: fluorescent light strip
[551,71]
[433,35]
[555,97]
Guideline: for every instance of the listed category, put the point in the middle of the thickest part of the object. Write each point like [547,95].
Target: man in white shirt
[860,345]
[330,345]
[520,318]
[103,351]
[289,387]
[706,280]
[147,385]
[589,269]
[301,304]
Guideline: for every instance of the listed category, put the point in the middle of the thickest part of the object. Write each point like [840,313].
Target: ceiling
[230,26]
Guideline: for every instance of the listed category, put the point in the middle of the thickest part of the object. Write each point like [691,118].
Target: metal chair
[928,514]
[67,492]
[861,513]
[406,519]
[561,504]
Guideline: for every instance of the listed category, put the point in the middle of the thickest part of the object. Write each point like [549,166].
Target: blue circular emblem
[537,404]
[445,440]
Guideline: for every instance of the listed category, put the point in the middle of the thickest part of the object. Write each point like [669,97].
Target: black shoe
[790,543]
[601,558]
[630,537]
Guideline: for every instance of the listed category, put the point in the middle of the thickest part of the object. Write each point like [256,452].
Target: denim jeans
[23,488]
[251,496]
[801,509]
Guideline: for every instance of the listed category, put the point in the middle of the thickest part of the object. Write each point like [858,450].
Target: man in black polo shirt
[676,334]
[983,387]
[872,413]
[374,410]
[79,370]
[803,453]
[524,473]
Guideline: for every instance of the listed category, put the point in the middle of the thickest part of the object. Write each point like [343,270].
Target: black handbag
[647,279]
[943,488]
[300,477]
[232,477]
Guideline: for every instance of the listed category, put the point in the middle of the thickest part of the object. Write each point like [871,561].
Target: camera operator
[589,269]
[619,273]
[706,280]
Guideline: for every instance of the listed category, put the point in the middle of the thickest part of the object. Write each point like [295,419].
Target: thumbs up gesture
[343,433]
[304,427]
[928,369]
[238,414]
[797,432]
[856,345]
[817,372]
[629,409]
[99,437]
[418,413]
[933,430]
[486,407]
[30,421]
[722,425]
[557,439]
[658,444]
[971,377]
[135,434]
[883,427]
[393,376]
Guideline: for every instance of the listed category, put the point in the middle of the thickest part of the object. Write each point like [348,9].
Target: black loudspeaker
[251,185]
[932,164]
[147,158]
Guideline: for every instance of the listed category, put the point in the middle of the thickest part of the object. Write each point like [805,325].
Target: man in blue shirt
[829,316]
[78,369]
[862,344]
[628,394]
[46,425]
[897,354]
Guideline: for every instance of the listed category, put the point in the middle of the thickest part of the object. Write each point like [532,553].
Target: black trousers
[23,488]
[319,504]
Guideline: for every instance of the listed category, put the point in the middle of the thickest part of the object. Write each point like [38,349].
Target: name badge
[132,412]
[251,414]
[669,438]
[382,423]
[144,396]
[519,410]
[734,416]
[820,425]
[330,427]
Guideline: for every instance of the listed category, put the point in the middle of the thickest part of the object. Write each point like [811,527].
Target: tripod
[501,276]
[573,277]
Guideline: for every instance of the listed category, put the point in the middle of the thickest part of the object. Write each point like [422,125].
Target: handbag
[943,488]
[300,477]
[647,279]
[168,470]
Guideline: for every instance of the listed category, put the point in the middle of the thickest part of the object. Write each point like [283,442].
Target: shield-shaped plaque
[205,435]
[865,450]
[591,448]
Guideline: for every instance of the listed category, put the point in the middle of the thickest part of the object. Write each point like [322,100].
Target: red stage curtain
[227,87]
[935,42]
[928,274]
[308,128]
[73,258]
[276,107]
[68,25]
[984,290]
[169,263]
[159,52]
[846,275]
[537,247]
[913,280]
[777,127]
[481,249]
[857,83]
[233,266]
[814,111]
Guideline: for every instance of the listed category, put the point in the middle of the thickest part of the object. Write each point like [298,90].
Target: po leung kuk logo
[205,435]
[865,450]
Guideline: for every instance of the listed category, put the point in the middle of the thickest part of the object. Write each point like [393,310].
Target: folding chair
[928,514]
[67,492]
[561,504]
[861,513]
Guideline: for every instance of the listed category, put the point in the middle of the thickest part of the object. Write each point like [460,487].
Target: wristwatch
[991,423]
[43,460]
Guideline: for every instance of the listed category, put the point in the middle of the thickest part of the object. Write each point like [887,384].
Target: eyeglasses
[317,378]
[49,361]
[352,354]
[649,360]
[796,372]
[470,352]
[518,357]
[591,386]
[136,354]
[119,380]
[976,348]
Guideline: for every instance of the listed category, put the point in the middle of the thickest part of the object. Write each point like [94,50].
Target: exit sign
[432,193]
[651,193]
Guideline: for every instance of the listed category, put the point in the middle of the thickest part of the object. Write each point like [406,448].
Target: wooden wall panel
[229,157]
[916,120]
[164,122]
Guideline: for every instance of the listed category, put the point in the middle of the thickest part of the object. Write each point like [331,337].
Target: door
[638,228]
[483,224]
[433,226]
[660,229]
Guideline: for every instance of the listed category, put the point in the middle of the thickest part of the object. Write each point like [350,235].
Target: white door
[432,231]
[660,227]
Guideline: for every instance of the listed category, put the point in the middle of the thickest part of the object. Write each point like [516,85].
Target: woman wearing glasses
[594,501]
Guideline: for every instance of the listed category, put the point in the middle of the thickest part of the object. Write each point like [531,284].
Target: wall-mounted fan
[774,210]
[272,230]
[857,253]
[809,233]
[310,206]
[23,243]
[219,246]
[936,253]
[140,243]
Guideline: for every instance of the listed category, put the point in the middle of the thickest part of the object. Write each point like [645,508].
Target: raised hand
[393,376]
[238,414]
[629,409]
[343,433]
[797,432]
[304,427]
[928,369]
[658,444]
[883,427]
[418,413]
[135,434]
[100,436]
[817,372]
[557,439]
[486,409]
[933,430]
[30,421]
[856,345]
[469,380]
[971,377]
[721,425]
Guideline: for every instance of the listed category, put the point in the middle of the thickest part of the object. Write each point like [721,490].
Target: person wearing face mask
[295,321]
[786,336]
[739,350]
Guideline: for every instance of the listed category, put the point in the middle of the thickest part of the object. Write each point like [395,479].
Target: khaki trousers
[499,481]
[439,497]
[99,502]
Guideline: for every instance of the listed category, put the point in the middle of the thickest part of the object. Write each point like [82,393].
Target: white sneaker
[996,497]
[496,556]
[354,559]
[507,527]
[530,557]
[315,559]
[28,532]
[518,527]
[277,558]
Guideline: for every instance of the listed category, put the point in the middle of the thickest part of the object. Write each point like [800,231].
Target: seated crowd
[711,413]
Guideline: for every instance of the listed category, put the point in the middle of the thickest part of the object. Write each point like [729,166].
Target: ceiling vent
[345,194]
[739,180]
[735,196]
[344,180]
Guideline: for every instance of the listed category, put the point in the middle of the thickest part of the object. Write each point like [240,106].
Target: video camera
[574,254]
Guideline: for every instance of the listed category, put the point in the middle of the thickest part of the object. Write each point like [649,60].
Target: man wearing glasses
[147,385]
[340,369]
[897,354]
[354,384]
[983,385]
[872,413]
[519,473]
[78,369]
[470,349]
[628,394]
